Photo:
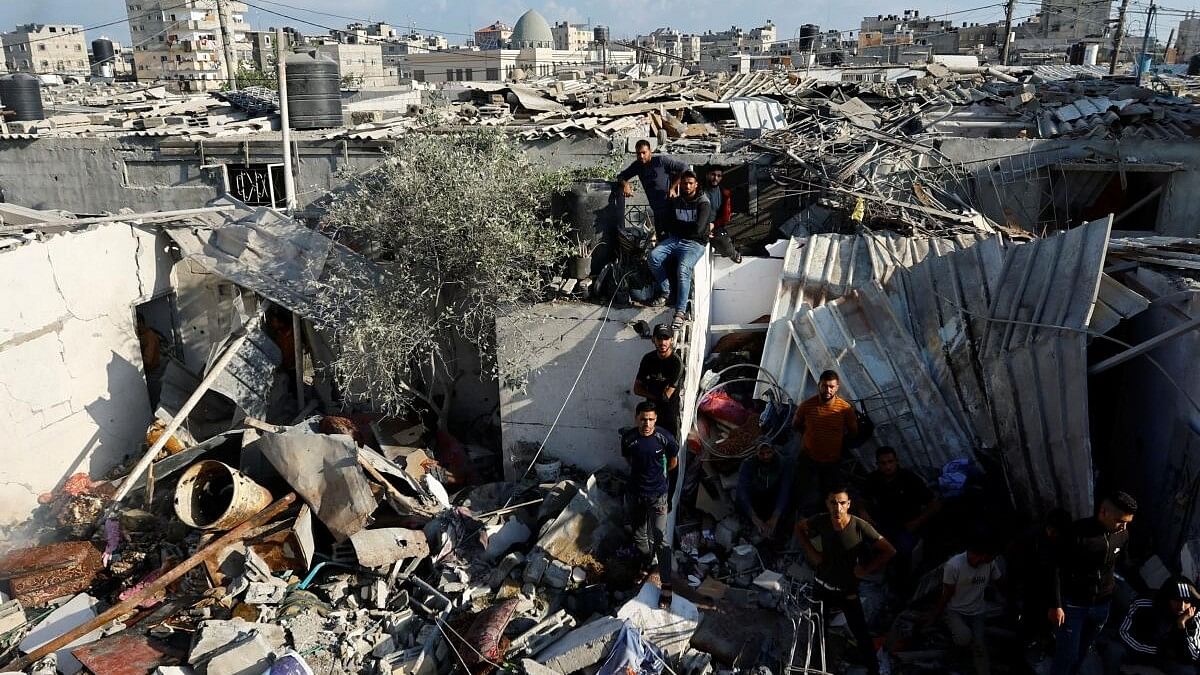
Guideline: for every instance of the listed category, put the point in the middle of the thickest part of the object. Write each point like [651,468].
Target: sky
[457,18]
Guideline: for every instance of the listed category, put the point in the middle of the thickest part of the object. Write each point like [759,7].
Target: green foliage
[252,77]
[461,222]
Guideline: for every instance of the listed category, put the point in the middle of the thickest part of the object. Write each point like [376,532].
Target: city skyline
[626,18]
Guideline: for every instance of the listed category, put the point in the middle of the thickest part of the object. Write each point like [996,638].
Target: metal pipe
[233,536]
[227,40]
[226,357]
[289,183]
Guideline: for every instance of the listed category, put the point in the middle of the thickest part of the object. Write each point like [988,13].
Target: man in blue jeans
[685,242]
[1083,580]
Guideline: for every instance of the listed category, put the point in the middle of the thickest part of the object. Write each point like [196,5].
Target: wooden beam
[1146,346]
[231,537]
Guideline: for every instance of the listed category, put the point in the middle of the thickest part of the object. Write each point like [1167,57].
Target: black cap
[662,330]
[1180,587]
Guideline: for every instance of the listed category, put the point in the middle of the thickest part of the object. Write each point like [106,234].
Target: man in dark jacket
[721,201]
[658,377]
[763,487]
[684,245]
[1083,580]
[659,175]
[1163,632]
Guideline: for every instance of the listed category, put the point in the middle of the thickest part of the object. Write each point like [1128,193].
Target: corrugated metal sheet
[758,112]
[981,345]
[267,253]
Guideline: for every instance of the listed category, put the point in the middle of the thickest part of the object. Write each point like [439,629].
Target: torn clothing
[1155,638]
[655,176]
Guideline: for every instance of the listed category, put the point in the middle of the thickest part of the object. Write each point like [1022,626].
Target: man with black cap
[658,378]
[1163,632]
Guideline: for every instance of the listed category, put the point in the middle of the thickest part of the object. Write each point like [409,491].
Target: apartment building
[179,41]
[45,48]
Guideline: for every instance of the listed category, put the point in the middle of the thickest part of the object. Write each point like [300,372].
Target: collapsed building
[1001,264]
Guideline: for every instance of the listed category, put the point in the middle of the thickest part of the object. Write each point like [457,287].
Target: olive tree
[460,225]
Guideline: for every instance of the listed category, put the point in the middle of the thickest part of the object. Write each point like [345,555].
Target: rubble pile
[335,545]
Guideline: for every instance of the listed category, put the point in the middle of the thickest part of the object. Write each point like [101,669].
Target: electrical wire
[582,369]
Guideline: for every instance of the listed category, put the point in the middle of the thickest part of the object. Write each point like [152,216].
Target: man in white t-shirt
[965,577]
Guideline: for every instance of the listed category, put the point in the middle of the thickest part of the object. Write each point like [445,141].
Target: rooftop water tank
[22,93]
[808,37]
[102,53]
[314,94]
[600,34]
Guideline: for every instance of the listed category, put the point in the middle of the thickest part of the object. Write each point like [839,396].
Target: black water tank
[314,91]
[102,51]
[1194,65]
[808,37]
[22,93]
[600,34]
[595,208]
[1075,54]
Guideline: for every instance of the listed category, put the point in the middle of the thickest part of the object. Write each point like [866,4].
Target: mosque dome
[532,30]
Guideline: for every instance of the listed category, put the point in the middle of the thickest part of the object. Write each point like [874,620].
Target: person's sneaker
[680,318]
[657,301]
[737,258]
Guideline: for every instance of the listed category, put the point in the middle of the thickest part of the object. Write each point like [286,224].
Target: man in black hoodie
[684,244]
[1163,632]
[1083,580]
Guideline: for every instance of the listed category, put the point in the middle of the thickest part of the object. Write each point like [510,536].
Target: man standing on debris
[1083,580]
[1163,632]
[658,377]
[660,175]
[763,488]
[965,577]
[899,504]
[684,246]
[850,550]
[651,453]
[721,201]
[824,422]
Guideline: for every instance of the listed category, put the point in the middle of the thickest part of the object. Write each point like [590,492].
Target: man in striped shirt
[824,423]
[1163,633]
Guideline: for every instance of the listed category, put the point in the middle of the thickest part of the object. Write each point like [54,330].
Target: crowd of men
[1060,576]
[686,217]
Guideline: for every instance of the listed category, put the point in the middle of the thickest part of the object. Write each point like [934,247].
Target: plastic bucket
[547,470]
[215,496]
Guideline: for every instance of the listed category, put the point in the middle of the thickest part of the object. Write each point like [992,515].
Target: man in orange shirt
[824,423]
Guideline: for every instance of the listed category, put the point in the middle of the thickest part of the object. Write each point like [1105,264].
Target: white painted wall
[742,292]
[562,333]
[72,394]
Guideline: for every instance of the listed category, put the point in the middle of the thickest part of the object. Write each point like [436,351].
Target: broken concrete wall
[72,394]
[93,175]
[1012,191]
[560,334]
